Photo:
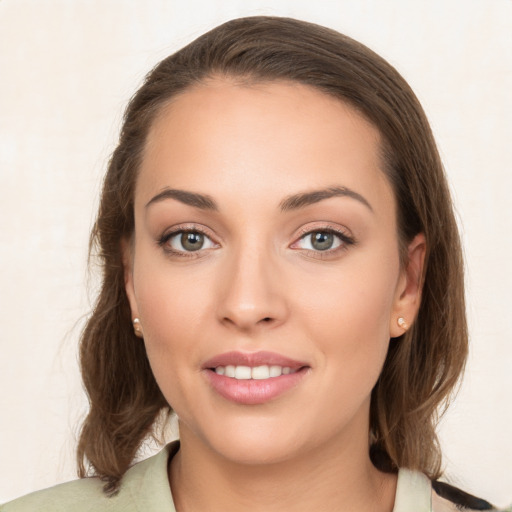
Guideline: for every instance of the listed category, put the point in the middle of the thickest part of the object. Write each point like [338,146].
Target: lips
[252,359]
[255,377]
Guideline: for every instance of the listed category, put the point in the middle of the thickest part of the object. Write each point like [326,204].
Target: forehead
[265,140]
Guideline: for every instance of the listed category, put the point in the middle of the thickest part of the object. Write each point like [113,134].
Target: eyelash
[344,238]
[164,239]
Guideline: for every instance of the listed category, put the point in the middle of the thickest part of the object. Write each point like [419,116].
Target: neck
[336,476]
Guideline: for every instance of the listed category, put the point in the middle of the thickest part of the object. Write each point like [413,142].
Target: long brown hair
[422,366]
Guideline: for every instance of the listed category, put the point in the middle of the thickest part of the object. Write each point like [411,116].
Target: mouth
[262,372]
[253,378]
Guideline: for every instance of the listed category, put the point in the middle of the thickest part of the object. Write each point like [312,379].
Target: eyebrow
[194,199]
[293,202]
[307,198]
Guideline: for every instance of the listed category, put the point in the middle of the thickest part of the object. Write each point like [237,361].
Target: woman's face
[265,268]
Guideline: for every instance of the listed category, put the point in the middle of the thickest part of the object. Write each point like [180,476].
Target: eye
[326,240]
[186,241]
[320,241]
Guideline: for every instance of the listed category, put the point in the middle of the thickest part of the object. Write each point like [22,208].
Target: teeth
[242,372]
[257,372]
[260,372]
[276,371]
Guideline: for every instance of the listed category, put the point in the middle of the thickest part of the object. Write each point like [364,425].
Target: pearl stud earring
[402,323]
[137,327]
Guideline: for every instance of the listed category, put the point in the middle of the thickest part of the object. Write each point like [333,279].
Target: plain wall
[68,68]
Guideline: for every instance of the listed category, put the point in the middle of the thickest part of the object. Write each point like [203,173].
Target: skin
[258,283]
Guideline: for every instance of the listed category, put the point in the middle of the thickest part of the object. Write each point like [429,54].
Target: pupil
[192,241]
[322,241]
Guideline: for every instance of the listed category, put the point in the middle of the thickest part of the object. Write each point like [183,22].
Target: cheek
[168,295]
[356,298]
[347,315]
[172,307]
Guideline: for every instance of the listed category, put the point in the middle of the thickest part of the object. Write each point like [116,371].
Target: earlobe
[409,289]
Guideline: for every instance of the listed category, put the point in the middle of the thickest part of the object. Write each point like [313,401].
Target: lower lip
[253,391]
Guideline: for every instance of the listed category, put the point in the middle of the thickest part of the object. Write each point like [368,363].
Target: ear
[407,298]
[127,255]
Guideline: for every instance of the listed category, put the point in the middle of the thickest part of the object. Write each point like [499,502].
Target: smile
[253,378]
[256,373]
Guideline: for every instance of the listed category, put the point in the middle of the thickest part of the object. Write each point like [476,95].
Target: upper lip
[252,359]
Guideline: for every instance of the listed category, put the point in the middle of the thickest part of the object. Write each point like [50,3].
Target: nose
[253,294]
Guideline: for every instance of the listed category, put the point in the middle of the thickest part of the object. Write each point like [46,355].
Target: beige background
[67,69]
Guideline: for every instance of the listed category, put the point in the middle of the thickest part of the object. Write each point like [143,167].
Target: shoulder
[81,495]
[145,486]
[416,492]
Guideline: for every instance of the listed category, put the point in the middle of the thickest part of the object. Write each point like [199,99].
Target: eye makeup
[321,242]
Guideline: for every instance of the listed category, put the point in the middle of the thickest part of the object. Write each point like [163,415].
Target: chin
[249,442]
[257,451]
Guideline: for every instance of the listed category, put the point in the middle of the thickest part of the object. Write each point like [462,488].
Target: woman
[282,268]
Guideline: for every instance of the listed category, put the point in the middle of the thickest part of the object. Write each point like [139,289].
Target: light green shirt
[145,488]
